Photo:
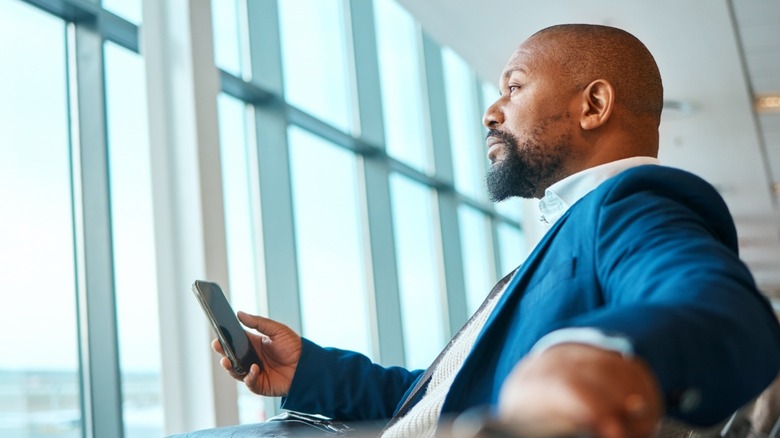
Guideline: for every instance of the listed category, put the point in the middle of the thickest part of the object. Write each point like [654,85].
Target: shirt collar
[566,192]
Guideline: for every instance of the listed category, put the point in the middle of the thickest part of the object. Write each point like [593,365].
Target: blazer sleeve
[673,284]
[345,385]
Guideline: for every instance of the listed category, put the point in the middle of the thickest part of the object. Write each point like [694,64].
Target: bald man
[633,306]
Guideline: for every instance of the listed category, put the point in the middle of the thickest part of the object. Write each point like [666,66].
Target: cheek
[518,119]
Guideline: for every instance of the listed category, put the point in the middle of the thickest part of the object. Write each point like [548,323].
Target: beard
[526,169]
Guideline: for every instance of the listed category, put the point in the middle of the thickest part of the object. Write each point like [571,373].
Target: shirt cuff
[585,335]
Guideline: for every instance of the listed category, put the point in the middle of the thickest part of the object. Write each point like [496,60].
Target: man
[633,306]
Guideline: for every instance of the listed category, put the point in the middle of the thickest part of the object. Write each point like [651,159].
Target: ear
[598,100]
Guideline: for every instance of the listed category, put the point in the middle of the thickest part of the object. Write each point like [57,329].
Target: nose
[493,116]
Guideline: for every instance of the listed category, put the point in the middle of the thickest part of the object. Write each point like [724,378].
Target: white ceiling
[714,56]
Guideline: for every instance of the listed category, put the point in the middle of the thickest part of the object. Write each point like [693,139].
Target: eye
[512,88]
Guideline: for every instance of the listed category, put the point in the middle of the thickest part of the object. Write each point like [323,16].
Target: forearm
[708,364]
[345,385]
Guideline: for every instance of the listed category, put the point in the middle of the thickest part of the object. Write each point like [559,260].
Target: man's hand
[572,389]
[279,349]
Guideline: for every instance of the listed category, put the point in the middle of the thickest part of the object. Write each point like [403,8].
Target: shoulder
[663,180]
[660,187]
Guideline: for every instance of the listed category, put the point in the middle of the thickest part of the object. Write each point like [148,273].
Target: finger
[263,325]
[228,366]
[250,379]
[217,346]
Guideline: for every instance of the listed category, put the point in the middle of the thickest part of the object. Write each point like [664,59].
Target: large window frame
[189,221]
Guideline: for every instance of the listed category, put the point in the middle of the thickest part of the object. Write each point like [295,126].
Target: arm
[672,285]
[346,385]
[340,384]
[675,287]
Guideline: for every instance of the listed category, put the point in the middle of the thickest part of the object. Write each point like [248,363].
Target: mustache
[501,135]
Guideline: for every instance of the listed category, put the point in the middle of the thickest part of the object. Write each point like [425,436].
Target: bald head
[572,97]
[586,52]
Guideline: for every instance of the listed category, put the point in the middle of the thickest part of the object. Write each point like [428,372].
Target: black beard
[524,171]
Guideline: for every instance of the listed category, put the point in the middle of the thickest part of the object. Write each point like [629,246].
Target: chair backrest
[761,417]
[765,416]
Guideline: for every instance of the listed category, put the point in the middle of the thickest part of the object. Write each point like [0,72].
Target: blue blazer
[651,255]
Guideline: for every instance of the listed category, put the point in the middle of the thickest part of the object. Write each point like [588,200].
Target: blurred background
[323,160]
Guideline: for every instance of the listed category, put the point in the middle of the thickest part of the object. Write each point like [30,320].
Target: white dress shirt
[566,192]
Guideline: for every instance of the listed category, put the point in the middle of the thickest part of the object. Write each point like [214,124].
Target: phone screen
[229,330]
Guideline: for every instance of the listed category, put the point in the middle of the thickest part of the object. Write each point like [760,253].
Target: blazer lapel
[474,380]
[516,287]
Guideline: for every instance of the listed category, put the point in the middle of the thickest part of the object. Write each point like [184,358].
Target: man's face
[530,142]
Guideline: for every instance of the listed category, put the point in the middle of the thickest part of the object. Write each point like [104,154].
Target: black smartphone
[230,332]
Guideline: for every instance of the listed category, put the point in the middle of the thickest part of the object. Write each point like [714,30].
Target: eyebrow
[508,73]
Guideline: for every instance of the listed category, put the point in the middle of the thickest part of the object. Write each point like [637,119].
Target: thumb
[263,325]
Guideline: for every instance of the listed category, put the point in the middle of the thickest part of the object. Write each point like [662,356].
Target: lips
[492,141]
[493,150]
[493,144]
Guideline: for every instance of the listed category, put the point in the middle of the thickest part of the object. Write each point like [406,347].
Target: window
[243,229]
[319,220]
[242,208]
[479,272]
[403,95]
[130,10]
[469,153]
[227,41]
[135,273]
[512,247]
[39,389]
[422,300]
[317,73]
[328,243]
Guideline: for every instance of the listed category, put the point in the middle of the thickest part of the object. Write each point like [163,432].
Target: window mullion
[374,172]
[448,224]
[274,166]
[100,359]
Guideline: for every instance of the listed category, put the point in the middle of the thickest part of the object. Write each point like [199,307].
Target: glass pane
[512,247]
[317,73]
[241,201]
[227,35]
[242,218]
[469,153]
[400,74]
[490,94]
[328,236]
[132,227]
[475,238]
[422,298]
[130,10]
[39,393]
[512,207]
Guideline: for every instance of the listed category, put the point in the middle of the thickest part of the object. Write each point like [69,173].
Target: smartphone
[230,332]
